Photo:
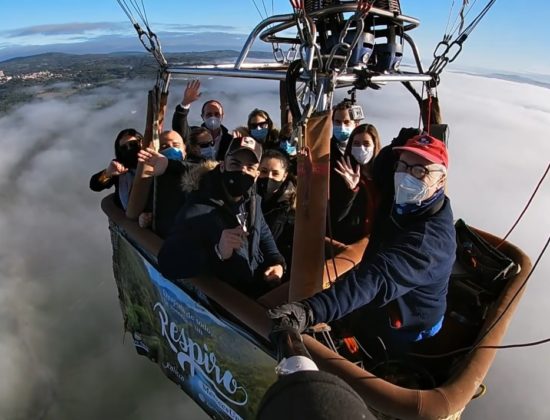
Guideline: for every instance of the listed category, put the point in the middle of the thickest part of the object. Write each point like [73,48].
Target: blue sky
[508,39]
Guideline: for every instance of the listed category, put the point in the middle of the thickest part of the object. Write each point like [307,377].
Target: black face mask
[127,154]
[237,183]
[266,187]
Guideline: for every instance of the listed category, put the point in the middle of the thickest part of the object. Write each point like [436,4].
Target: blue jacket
[189,248]
[408,262]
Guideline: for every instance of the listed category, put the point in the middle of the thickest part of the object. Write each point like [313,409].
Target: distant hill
[60,61]
[43,72]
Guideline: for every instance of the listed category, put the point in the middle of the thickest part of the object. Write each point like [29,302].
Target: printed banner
[211,359]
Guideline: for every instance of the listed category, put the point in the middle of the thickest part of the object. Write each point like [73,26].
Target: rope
[526,207]
[475,346]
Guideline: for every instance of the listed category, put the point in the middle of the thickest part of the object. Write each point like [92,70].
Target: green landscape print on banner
[213,362]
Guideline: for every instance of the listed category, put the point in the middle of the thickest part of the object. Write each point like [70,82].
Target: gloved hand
[295,315]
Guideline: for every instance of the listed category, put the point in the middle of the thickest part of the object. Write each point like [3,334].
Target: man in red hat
[398,291]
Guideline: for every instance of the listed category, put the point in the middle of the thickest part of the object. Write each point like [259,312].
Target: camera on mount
[356,112]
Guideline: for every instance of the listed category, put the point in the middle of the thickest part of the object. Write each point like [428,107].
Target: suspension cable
[153,46]
[265,9]
[258,9]
[449,17]
[526,207]
[447,50]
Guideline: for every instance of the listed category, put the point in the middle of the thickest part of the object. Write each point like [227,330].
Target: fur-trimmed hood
[190,181]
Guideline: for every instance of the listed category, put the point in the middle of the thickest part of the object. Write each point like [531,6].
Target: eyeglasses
[262,124]
[418,171]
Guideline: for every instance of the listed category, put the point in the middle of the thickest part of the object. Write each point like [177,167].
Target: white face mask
[408,189]
[213,123]
[362,154]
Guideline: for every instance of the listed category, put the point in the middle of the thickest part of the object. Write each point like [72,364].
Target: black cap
[245,143]
[311,395]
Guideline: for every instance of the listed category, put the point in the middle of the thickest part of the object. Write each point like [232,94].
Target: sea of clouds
[63,354]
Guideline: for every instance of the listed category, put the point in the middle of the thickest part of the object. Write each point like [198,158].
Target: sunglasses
[130,144]
[255,126]
[205,145]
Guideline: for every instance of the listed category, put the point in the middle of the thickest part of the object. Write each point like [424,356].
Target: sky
[501,42]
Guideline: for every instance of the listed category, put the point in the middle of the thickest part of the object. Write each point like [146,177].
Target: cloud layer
[60,324]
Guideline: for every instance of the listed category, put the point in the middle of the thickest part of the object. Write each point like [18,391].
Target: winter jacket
[169,195]
[189,248]
[406,265]
[100,182]
[180,124]
[353,216]
[337,185]
[279,213]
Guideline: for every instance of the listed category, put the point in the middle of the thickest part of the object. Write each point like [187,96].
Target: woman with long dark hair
[277,188]
[120,171]
[352,214]
[261,128]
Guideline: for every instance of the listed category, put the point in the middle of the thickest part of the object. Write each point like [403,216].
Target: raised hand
[115,168]
[231,240]
[192,92]
[153,158]
[345,169]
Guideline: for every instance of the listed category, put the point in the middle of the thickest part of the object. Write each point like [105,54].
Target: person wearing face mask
[398,291]
[221,229]
[200,146]
[212,116]
[277,188]
[289,146]
[168,164]
[342,126]
[353,214]
[260,127]
[121,170]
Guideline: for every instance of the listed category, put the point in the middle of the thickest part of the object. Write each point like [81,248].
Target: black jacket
[100,182]
[189,248]
[338,191]
[181,125]
[169,196]
[279,213]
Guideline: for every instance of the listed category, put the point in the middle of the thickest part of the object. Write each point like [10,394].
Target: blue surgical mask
[288,147]
[259,134]
[172,153]
[341,132]
[209,153]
